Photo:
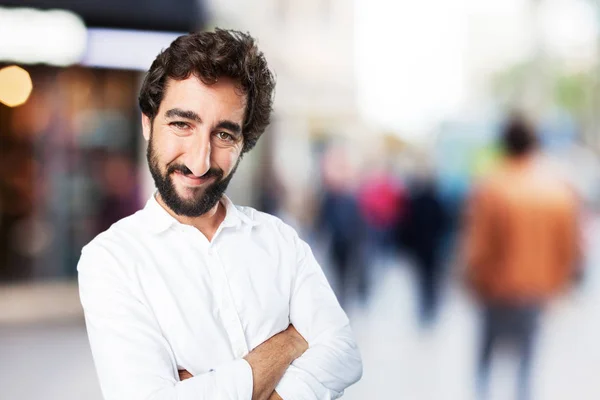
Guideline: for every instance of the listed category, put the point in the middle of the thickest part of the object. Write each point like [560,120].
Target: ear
[146,126]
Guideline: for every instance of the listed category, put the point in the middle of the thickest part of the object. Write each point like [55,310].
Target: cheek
[170,149]
[226,159]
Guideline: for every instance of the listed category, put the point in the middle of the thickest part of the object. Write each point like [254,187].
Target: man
[339,220]
[521,247]
[421,233]
[193,297]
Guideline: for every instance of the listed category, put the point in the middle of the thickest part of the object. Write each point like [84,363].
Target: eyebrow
[187,114]
[231,126]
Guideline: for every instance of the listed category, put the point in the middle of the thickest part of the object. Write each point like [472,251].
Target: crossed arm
[269,361]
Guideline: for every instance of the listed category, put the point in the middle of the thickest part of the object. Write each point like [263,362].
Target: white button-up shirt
[159,297]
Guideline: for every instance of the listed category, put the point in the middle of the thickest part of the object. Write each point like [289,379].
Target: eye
[180,125]
[225,136]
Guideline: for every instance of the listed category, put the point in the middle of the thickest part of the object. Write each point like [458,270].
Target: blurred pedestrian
[381,200]
[421,233]
[339,219]
[521,248]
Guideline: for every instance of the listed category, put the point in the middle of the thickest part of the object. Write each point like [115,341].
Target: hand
[184,374]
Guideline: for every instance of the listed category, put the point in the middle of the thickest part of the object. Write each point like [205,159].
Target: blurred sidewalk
[30,303]
[44,351]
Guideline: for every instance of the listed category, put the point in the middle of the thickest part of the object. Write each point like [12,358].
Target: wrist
[295,345]
[288,347]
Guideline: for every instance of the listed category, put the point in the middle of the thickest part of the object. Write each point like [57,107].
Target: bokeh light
[15,86]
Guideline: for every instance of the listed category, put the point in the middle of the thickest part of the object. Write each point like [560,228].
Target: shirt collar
[233,216]
[159,220]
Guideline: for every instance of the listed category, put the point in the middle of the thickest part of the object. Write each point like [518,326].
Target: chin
[186,192]
[189,196]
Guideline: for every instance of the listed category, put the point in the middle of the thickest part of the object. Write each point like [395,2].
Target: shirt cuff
[297,384]
[229,381]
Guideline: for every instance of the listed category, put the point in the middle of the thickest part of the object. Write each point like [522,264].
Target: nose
[198,155]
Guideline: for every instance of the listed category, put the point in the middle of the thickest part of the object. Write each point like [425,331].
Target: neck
[521,158]
[207,223]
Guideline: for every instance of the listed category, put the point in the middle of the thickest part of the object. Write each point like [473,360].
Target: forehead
[223,99]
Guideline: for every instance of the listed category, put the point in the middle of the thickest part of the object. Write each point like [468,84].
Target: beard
[202,199]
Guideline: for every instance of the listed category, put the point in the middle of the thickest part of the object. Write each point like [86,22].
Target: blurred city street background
[385,111]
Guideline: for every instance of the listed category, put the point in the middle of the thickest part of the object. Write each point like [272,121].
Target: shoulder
[115,245]
[270,225]
[263,219]
[120,233]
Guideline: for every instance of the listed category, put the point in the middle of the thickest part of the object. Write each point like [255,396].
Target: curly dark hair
[518,136]
[210,55]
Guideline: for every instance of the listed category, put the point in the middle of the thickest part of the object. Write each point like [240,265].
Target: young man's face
[195,142]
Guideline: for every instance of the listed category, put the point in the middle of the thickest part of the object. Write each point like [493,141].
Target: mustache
[212,172]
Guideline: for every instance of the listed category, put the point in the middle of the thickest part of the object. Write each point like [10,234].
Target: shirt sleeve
[332,361]
[133,359]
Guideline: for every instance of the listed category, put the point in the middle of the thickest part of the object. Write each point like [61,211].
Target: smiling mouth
[192,180]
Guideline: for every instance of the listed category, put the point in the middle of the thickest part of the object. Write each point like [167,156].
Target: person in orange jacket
[521,247]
